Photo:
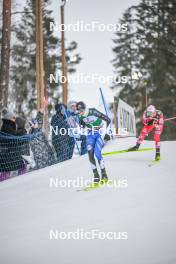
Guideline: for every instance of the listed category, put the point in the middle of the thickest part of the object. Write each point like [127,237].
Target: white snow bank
[144,210]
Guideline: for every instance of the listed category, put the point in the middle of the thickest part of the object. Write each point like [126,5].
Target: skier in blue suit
[92,119]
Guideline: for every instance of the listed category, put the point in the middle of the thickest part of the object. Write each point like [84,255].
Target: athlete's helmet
[151,111]
[81,106]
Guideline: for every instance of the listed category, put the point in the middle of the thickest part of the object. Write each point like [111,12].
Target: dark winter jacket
[42,151]
[10,148]
[21,131]
[62,142]
[82,138]
[20,126]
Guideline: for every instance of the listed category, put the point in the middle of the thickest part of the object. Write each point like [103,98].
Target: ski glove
[107,137]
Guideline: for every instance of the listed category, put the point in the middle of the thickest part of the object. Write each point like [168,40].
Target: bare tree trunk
[39,54]
[64,62]
[5,53]
[40,71]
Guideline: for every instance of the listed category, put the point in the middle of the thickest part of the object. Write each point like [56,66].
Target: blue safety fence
[21,154]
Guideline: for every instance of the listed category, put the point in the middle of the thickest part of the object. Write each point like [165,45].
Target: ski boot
[135,148]
[157,156]
[104,177]
[96,176]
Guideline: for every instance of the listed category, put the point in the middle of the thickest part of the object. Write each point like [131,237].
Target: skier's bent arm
[161,119]
[100,115]
[160,124]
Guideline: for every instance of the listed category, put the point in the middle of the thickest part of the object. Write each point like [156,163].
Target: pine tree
[127,61]
[154,34]
[24,62]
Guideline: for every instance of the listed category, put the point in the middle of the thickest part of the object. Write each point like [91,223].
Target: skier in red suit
[152,119]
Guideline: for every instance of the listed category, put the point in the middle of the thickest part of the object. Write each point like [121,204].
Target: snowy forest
[21,91]
[148,47]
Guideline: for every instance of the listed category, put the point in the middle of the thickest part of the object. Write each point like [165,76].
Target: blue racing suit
[93,120]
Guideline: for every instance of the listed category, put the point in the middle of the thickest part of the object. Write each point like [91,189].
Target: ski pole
[146,94]
[146,100]
[171,118]
[106,109]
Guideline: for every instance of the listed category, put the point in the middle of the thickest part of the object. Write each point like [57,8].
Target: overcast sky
[94,47]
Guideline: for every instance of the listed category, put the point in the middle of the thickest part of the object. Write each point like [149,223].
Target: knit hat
[60,108]
[7,115]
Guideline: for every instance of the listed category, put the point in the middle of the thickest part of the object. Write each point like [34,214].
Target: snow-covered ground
[143,211]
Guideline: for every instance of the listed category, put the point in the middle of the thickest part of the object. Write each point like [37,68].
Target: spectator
[8,122]
[72,112]
[63,143]
[24,144]
[10,156]
[20,126]
[42,151]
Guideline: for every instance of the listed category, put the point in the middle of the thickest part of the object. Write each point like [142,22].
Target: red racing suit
[150,123]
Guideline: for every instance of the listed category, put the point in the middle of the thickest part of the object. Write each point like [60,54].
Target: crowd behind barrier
[22,151]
